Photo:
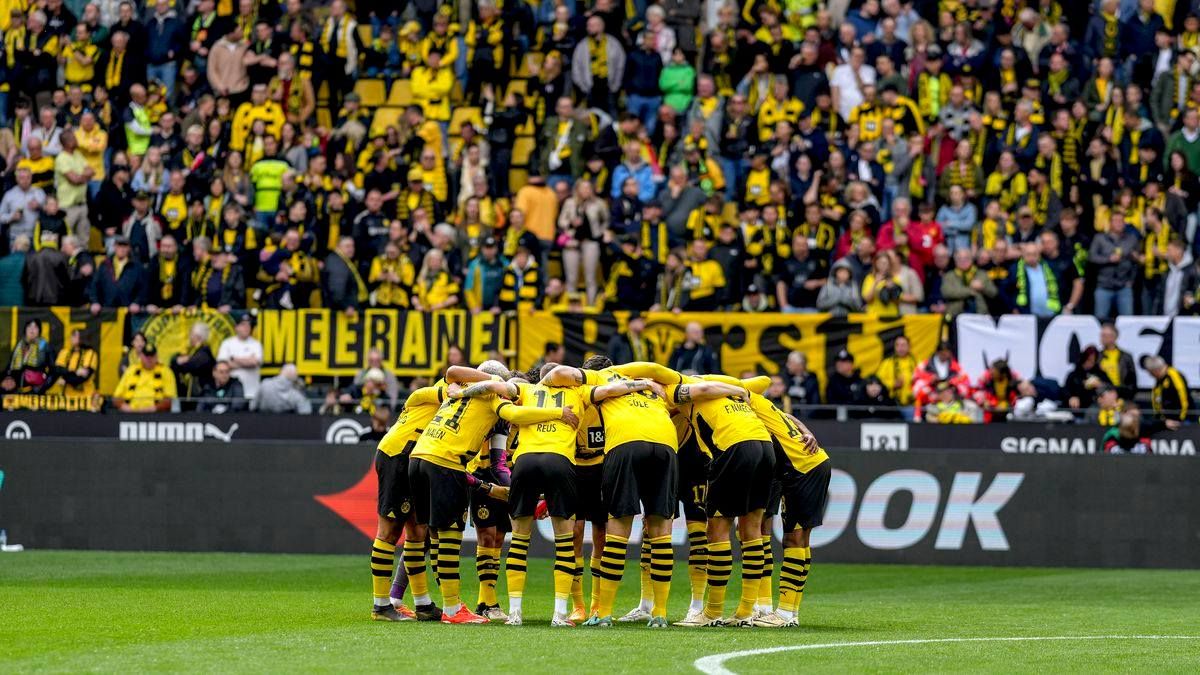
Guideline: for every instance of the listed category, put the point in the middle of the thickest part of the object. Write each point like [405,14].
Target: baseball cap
[121,240]
[490,241]
[150,349]
[844,356]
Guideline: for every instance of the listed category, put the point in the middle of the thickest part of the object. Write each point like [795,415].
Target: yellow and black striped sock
[433,557]
[612,567]
[577,585]
[791,579]
[514,565]
[564,566]
[662,560]
[646,585]
[697,560]
[807,553]
[752,561]
[383,557]
[720,566]
[766,582]
[449,547]
[414,566]
[487,566]
[594,564]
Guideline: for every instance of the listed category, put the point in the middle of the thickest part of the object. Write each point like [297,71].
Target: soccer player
[740,470]
[639,476]
[589,477]
[437,474]
[544,464]
[801,485]
[395,503]
[488,473]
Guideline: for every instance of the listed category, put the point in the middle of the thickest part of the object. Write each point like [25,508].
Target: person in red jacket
[996,391]
[942,366]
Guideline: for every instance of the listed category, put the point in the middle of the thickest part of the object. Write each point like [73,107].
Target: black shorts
[440,495]
[774,497]
[641,477]
[535,474]
[589,491]
[487,511]
[805,496]
[693,480]
[395,499]
[739,479]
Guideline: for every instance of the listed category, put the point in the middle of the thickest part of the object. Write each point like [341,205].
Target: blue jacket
[161,42]
[642,69]
[645,180]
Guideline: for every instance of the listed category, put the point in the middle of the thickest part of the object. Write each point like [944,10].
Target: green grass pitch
[136,612]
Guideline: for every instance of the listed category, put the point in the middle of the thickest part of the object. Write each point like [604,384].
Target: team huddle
[599,444]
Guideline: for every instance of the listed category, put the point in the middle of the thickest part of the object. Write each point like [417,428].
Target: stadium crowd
[882,157]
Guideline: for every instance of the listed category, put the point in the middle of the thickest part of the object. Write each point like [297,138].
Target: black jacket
[109,291]
[229,398]
[46,278]
[700,359]
[194,376]
[341,291]
[842,390]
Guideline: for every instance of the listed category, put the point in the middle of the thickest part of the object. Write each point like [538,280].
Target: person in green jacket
[1187,140]
[678,82]
[267,176]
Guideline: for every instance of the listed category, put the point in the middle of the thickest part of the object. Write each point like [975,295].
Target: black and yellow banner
[320,342]
[746,343]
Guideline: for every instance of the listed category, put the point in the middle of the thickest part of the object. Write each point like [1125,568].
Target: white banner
[1048,348]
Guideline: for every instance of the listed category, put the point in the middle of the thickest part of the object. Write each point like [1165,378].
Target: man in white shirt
[848,80]
[245,354]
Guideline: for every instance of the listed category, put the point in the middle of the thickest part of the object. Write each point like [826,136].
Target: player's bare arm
[490,387]
[703,391]
[466,375]
[564,376]
[621,388]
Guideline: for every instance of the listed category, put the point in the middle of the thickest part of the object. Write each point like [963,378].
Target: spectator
[1171,399]
[375,363]
[20,205]
[802,386]
[224,394]
[75,367]
[802,279]
[704,281]
[12,273]
[1116,362]
[966,288]
[1036,287]
[119,282]
[582,222]
[30,362]
[146,386]
[46,275]
[1181,288]
[874,402]
[283,393]
[694,356]
[243,354]
[598,66]
[897,371]
[642,91]
[72,173]
[1115,255]
[840,296]
[1127,437]
[345,290]
[381,420]
[632,345]
[485,273]
[845,386]
[552,352]
[1085,380]
[227,74]
[1106,411]
[194,366]
[164,42]
[949,408]
[435,288]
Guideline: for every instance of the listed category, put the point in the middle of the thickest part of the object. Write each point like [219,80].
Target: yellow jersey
[418,412]
[786,434]
[144,388]
[556,436]
[74,359]
[455,434]
[636,416]
[721,423]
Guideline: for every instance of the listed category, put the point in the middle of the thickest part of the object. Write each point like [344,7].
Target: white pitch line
[715,663]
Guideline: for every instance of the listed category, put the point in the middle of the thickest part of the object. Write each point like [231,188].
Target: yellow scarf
[112,74]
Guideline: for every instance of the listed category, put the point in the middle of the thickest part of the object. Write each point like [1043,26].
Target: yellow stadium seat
[517,179]
[371,91]
[384,118]
[323,95]
[461,116]
[522,151]
[324,118]
[401,94]
[364,33]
